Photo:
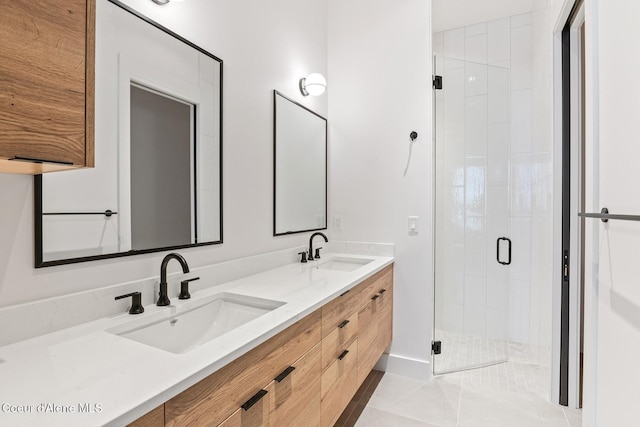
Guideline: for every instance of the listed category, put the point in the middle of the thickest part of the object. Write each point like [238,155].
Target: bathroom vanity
[320,329]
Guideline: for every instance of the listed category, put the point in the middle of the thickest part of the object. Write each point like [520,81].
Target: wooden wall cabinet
[304,376]
[47,95]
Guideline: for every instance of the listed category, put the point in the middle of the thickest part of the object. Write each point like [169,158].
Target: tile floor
[461,350]
[496,396]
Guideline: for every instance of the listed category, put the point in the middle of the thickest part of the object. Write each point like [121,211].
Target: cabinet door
[339,385]
[385,322]
[374,334]
[295,395]
[47,85]
[368,351]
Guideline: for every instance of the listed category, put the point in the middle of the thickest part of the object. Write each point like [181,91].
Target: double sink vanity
[284,347]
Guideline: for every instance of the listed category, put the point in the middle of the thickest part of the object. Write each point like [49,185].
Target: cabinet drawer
[294,398]
[373,285]
[254,413]
[343,306]
[339,339]
[215,398]
[339,309]
[339,384]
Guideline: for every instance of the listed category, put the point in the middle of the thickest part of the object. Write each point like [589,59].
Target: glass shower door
[472,128]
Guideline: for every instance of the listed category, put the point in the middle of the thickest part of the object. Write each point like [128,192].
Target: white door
[612,305]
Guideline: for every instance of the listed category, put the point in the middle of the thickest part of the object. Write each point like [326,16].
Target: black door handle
[498,250]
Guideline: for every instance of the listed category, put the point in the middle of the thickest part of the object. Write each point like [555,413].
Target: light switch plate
[337,222]
[413,225]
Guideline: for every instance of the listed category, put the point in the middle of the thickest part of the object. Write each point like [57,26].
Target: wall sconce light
[314,84]
[163,2]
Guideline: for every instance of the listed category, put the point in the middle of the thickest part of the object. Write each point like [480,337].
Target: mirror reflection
[156,184]
[300,168]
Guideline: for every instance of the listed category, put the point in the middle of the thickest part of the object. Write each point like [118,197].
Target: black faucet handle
[184,288]
[317,255]
[304,256]
[136,302]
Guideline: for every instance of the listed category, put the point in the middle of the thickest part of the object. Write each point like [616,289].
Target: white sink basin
[187,330]
[343,264]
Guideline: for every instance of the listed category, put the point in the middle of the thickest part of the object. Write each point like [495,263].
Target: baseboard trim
[405,366]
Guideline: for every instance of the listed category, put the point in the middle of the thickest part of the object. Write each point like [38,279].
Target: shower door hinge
[437,82]
[436,347]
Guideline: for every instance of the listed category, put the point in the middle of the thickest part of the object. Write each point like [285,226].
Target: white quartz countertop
[87,376]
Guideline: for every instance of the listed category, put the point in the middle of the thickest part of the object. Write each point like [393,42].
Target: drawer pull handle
[343,354]
[343,324]
[255,399]
[375,297]
[285,373]
[382,291]
[345,292]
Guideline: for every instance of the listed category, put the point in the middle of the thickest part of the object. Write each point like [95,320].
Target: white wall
[379,91]
[269,48]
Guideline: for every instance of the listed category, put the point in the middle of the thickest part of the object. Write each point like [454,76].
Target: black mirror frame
[326,162]
[37,181]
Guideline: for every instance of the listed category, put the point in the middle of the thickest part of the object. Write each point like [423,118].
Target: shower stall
[473,243]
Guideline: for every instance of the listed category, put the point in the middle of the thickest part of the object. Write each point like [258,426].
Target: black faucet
[163,299]
[310,257]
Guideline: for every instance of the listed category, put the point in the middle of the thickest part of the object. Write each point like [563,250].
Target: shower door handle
[498,250]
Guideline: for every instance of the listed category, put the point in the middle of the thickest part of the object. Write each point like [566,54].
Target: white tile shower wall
[523,173]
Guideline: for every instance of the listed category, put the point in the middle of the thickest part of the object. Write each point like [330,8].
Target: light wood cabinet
[295,397]
[339,384]
[47,96]
[339,339]
[304,376]
[356,329]
[256,412]
[373,339]
[291,399]
[215,398]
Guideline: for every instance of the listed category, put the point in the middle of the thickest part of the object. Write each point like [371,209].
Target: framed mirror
[300,168]
[156,184]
